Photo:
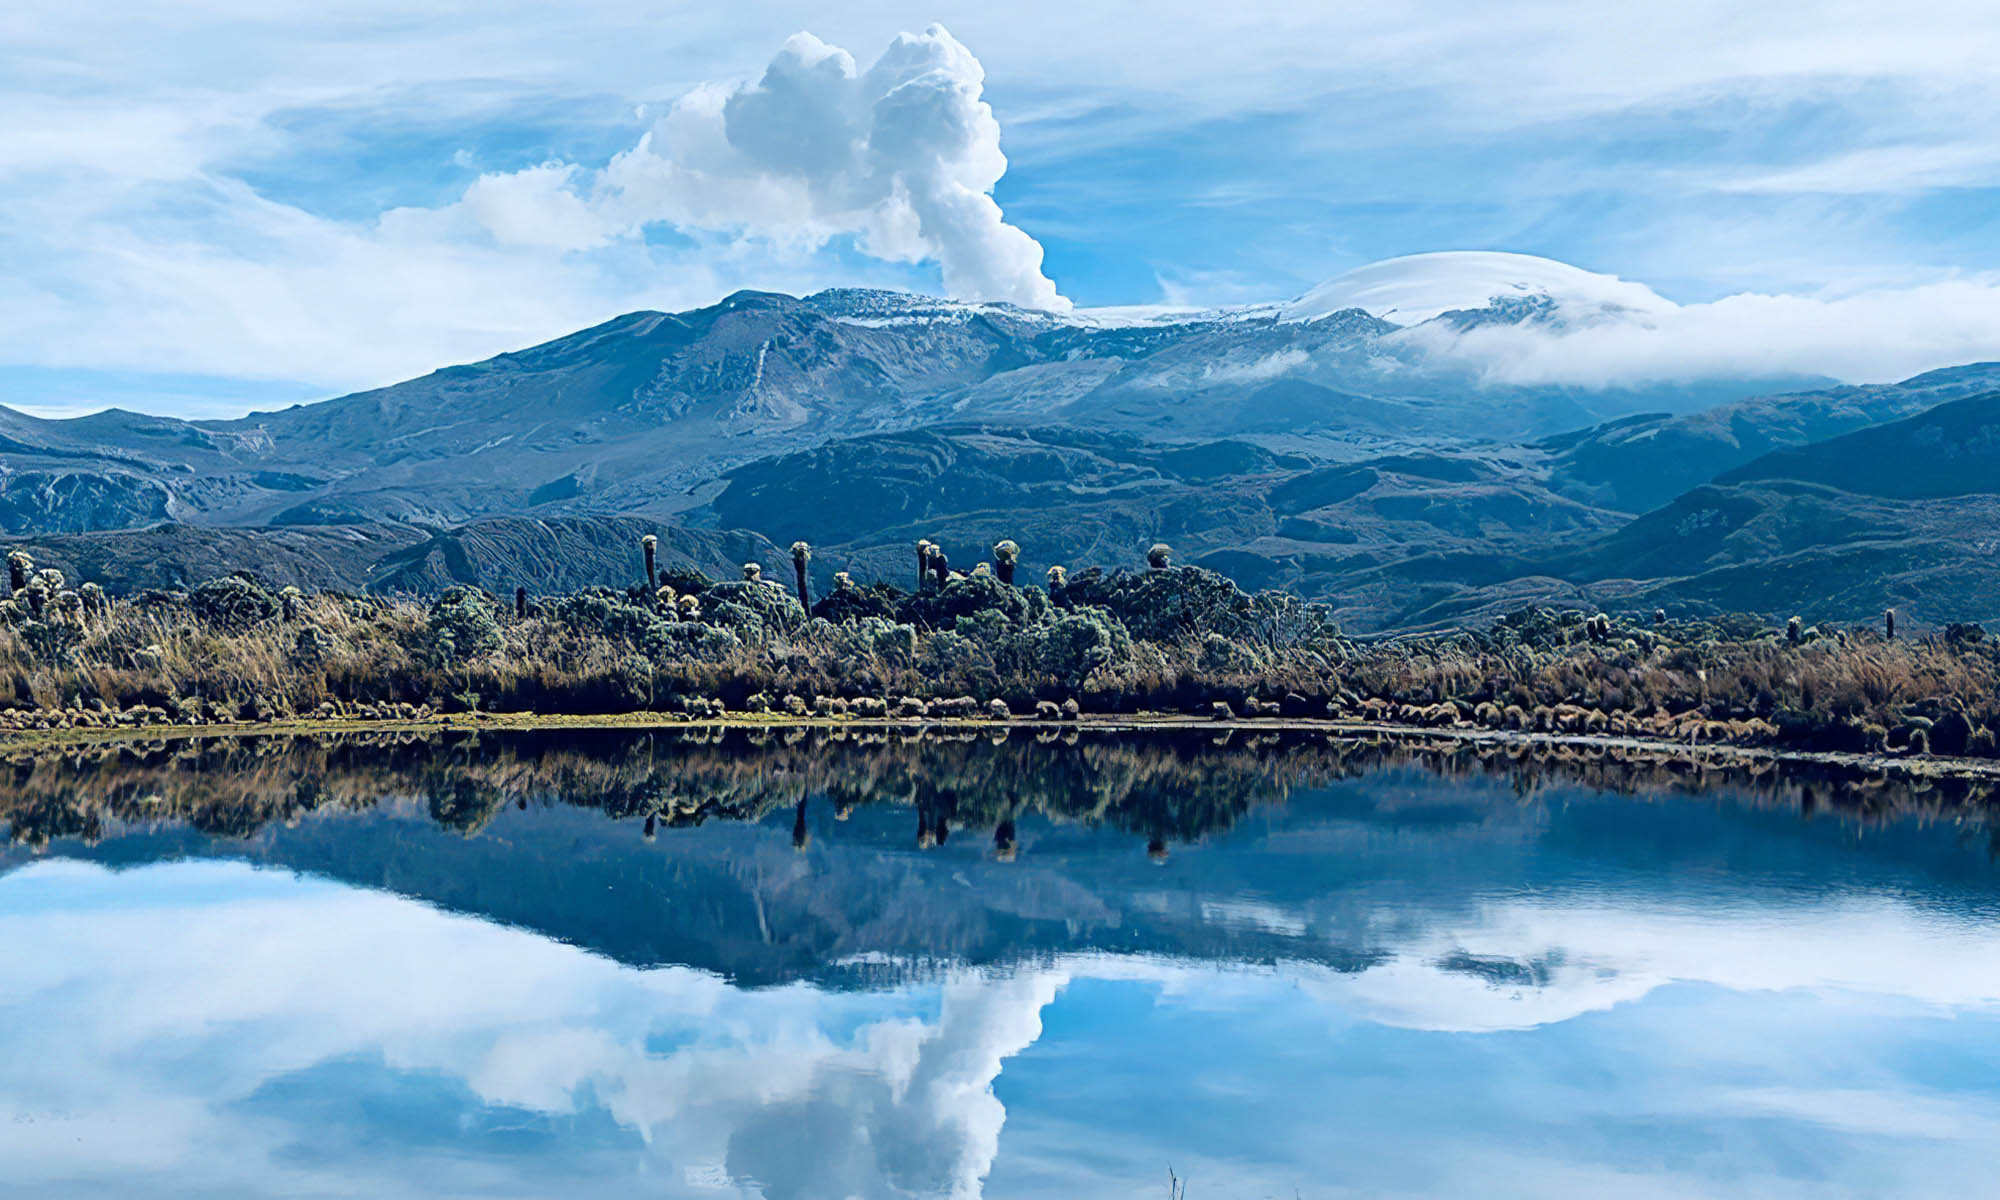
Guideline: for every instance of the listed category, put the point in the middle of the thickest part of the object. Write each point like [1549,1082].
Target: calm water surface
[721,966]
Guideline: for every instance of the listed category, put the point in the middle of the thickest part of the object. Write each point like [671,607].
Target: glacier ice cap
[1417,287]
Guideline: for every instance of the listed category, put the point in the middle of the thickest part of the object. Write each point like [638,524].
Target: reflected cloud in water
[1367,974]
[236,1029]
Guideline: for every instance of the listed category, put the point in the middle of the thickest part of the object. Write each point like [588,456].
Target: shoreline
[1915,766]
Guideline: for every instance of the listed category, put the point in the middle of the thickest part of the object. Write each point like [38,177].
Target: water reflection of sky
[213,1029]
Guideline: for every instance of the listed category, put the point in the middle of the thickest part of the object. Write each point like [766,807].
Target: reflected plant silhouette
[1164,788]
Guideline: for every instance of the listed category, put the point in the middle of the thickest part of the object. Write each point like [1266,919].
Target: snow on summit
[1405,291]
[1418,287]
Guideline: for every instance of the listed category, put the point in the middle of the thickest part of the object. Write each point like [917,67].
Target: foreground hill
[1775,548]
[1902,515]
[1266,519]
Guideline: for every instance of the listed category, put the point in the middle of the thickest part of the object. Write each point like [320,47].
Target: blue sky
[219,204]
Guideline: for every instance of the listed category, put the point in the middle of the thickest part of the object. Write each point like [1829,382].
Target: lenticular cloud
[901,157]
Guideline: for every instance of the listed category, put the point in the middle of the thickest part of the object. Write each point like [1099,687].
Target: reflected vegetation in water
[762,963]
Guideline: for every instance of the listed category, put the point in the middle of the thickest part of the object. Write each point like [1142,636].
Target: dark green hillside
[556,553]
[170,556]
[1073,497]
[1950,450]
[1778,548]
[65,501]
[1640,463]
[562,554]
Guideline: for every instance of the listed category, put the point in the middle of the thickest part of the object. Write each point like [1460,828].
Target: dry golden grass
[127,663]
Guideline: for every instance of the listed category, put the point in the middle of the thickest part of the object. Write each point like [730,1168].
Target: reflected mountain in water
[786,966]
[858,858]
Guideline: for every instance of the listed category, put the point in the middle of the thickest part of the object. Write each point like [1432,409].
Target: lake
[786,964]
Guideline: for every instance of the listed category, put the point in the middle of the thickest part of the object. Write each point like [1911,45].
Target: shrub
[1074,645]
[1166,603]
[769,608]
[968,596]
[849,603]
[686,581]
[1952,734]
[465,622]
[690,641]
[233,602]
[310,645]
[50,641]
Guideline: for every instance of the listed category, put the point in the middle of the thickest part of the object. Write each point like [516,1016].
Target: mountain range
[1324,445]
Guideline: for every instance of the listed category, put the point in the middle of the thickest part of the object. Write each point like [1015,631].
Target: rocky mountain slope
[1316,446]
[640,413]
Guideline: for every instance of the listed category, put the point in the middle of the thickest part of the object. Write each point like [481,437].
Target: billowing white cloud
[535,207]
[903,157]
[134,251]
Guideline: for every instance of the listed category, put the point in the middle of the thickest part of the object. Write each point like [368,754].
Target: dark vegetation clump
[959,644]
[234,602]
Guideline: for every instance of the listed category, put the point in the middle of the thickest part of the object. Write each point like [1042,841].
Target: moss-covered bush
[1072,646]
[968,596]
[754,608]
[1164,603]
[234,602]
[466,623]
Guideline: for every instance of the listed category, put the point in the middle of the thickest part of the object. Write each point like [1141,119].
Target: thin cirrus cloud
[1881,169]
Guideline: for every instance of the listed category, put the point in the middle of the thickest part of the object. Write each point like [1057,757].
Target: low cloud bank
[1873,336]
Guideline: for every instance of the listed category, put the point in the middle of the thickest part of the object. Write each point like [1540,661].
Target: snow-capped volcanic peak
[1417,287]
